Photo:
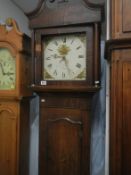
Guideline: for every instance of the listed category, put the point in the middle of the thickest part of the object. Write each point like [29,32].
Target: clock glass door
[7,70]
[64,57]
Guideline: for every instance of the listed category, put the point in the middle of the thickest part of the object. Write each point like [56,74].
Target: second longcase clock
[15,78]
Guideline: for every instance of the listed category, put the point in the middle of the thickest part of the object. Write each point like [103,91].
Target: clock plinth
[15,78]
[66,43]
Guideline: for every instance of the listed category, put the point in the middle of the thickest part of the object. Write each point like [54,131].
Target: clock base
[14,136]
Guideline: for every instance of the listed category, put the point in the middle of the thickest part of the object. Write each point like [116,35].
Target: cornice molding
[87,2]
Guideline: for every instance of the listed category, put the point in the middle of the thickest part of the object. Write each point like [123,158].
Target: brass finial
[9,22]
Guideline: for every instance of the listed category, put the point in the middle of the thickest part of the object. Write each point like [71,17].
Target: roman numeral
[81,56]
[64,39]
[55,72]
[11,78]
[63,75]
[49,65]
[78,47]
[50,49]
[48,58]
[78,65]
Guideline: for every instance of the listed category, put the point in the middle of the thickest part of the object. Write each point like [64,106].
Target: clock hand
[9,73]
[63,58]
[3,72]
[56,56]
[66,64]
[2,69]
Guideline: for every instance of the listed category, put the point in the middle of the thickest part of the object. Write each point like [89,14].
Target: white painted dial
[64,57]
[7,70]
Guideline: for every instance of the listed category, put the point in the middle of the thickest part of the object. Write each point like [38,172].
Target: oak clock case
[15,77]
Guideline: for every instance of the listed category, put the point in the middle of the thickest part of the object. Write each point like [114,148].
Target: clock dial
[7,70]
[64,57]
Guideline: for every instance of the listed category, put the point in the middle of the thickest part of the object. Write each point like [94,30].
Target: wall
[26,5]
[8,9]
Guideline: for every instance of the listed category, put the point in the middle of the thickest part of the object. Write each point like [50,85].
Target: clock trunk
[64,134]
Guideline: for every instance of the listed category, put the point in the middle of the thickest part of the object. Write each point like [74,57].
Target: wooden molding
[90,89]
[89,3]
[55,14]
[115,44]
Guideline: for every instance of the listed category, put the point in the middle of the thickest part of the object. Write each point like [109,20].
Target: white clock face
[64,57]
[7,70]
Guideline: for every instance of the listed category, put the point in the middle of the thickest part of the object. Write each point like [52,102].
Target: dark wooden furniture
[65,105]
[120,19]
[14,101]
[118,52]
[119,55]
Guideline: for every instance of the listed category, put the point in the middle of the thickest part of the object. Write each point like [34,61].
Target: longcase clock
[118,53]
[15,77]
[66,45]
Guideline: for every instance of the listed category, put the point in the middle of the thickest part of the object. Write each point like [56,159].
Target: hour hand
[66,63]
[9,73]
[56,56]
[2,69]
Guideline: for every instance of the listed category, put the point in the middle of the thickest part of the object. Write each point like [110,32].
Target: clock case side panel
[25,67]
[25,71]
[92,58]
[24,136]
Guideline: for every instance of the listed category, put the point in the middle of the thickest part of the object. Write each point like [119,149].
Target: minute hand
[57,56]
[66,64]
